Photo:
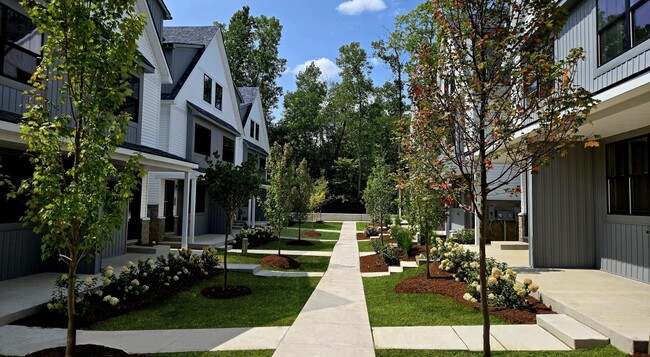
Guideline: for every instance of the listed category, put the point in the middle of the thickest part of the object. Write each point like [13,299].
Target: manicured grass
[388,308]
[274,302]
[248,353]
[309,263]
[293,233]
[365,246]
[607,351]
[318,246]
[362,225]
[335,226]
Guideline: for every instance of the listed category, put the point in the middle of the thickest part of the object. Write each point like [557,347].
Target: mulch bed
[232,291]
[443,283]
[362,236]
[300,242]
[373,264]
[280,261]
[312,234]
[81,350]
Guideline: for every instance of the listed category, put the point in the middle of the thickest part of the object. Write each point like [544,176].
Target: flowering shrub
[403,236]
[166,273]
[256,236]
[371,230]
[464,236]
[386,251]
[502,288]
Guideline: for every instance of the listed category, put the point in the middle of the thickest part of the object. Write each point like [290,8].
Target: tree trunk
[482,263]
[381,227]
[71,340]
[426,247]
[225,254]
[279,242]
[299,226]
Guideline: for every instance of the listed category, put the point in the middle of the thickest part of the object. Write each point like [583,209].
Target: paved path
[334,322]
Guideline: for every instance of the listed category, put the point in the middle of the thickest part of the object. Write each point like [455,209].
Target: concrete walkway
[334,321]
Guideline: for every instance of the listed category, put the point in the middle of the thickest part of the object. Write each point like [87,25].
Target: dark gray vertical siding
[626,250]
[118,244]
[216,218]
[580,31]
[20,251]
[563,206]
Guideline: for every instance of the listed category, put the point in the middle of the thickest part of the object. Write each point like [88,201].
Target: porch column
[175,207]
[477,226]
[239,150]
[249,220]
[161,209]
[193,211]
[253,211]
[521,219]
[186,203]
[144,201]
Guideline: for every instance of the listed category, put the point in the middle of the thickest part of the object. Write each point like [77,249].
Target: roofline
[215,119]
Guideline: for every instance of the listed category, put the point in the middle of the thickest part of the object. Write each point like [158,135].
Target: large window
[252,129]
[218,96]
[628,176]
[228,150]
[207,88]
[200,197]
[622,24]
[201,140]
[257,131]
[132,103]
[21,45]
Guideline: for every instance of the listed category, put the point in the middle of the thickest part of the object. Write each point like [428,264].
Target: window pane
[616,161]
[218,96]
[201,140]
[207,88]
[18,65]
[252,131]
[200,198]
[228,150]
[641,23]
[641,194]
[257,132]
[612,41]
[132,103]
[639,156]
[21,32]
[618,196]
[609,10]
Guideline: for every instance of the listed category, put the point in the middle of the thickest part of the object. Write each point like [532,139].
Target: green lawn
[607,351]
[309,263]
[335,226]
[248,353]
[388,308]
[318,246]
[274,302]
[362,225]
[293,233]
[365,246]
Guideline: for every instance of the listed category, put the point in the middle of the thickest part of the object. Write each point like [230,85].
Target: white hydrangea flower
[113,301]
[89,281]
[135,282]
[528,281]
[468,297]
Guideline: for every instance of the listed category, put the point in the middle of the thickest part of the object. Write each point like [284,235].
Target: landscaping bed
[307,263]
[443,283]
[81,350]
[373,264]
[318,246]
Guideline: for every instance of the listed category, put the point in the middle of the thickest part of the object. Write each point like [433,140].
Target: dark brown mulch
[640,354]
[387,239]
[443,283]
[372,264]
[280,261]
[312,234]
[232,291]
[300,242]
[81,350]
[362,236]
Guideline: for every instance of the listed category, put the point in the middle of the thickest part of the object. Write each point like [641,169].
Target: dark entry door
[169,206]
[135,225]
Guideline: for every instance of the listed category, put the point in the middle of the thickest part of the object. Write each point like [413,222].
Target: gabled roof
[255,147]
[248,94]
[218,121]
[149,150]
[191,35]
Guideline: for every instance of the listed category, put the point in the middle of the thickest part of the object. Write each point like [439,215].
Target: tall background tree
[301,193]
[491,73]
[278,203]
[252,46]
[319,196]
[77,196]
[231,186]
[379,194]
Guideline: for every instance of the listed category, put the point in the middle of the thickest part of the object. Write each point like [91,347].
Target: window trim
[207,79]
[626,175]
[626,16]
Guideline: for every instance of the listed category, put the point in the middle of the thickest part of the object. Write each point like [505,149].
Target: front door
[169,205]
[135,225]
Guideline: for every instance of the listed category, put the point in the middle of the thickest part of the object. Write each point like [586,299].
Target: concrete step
[514,245]
[571,332]
[406,265]
[395,270]
[156,250]
[171,239]
[243,268]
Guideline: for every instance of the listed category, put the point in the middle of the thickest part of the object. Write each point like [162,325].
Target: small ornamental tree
[76,196]
[277,205]
[379,193]
[231,186]
[318,197]
[301,193]
[490,75]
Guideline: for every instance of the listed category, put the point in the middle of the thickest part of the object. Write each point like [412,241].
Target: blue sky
[313,29]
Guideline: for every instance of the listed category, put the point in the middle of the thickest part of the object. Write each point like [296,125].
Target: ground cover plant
[187,309]
[386,307]
[256,236]
[307,263]
[335,226]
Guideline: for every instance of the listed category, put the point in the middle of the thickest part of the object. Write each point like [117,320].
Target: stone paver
[334,321]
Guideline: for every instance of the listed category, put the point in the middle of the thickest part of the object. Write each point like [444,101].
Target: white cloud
[330,69]
[375,61]
[355,7]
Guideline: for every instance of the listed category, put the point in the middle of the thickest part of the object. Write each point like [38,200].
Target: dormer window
[218,96]
[131,103]
[621,25]
[257,131]
[207,88]
[252,129]
[21,45]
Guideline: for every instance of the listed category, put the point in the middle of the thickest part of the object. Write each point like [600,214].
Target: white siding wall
[503,193]
[257,115]
[178,129]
